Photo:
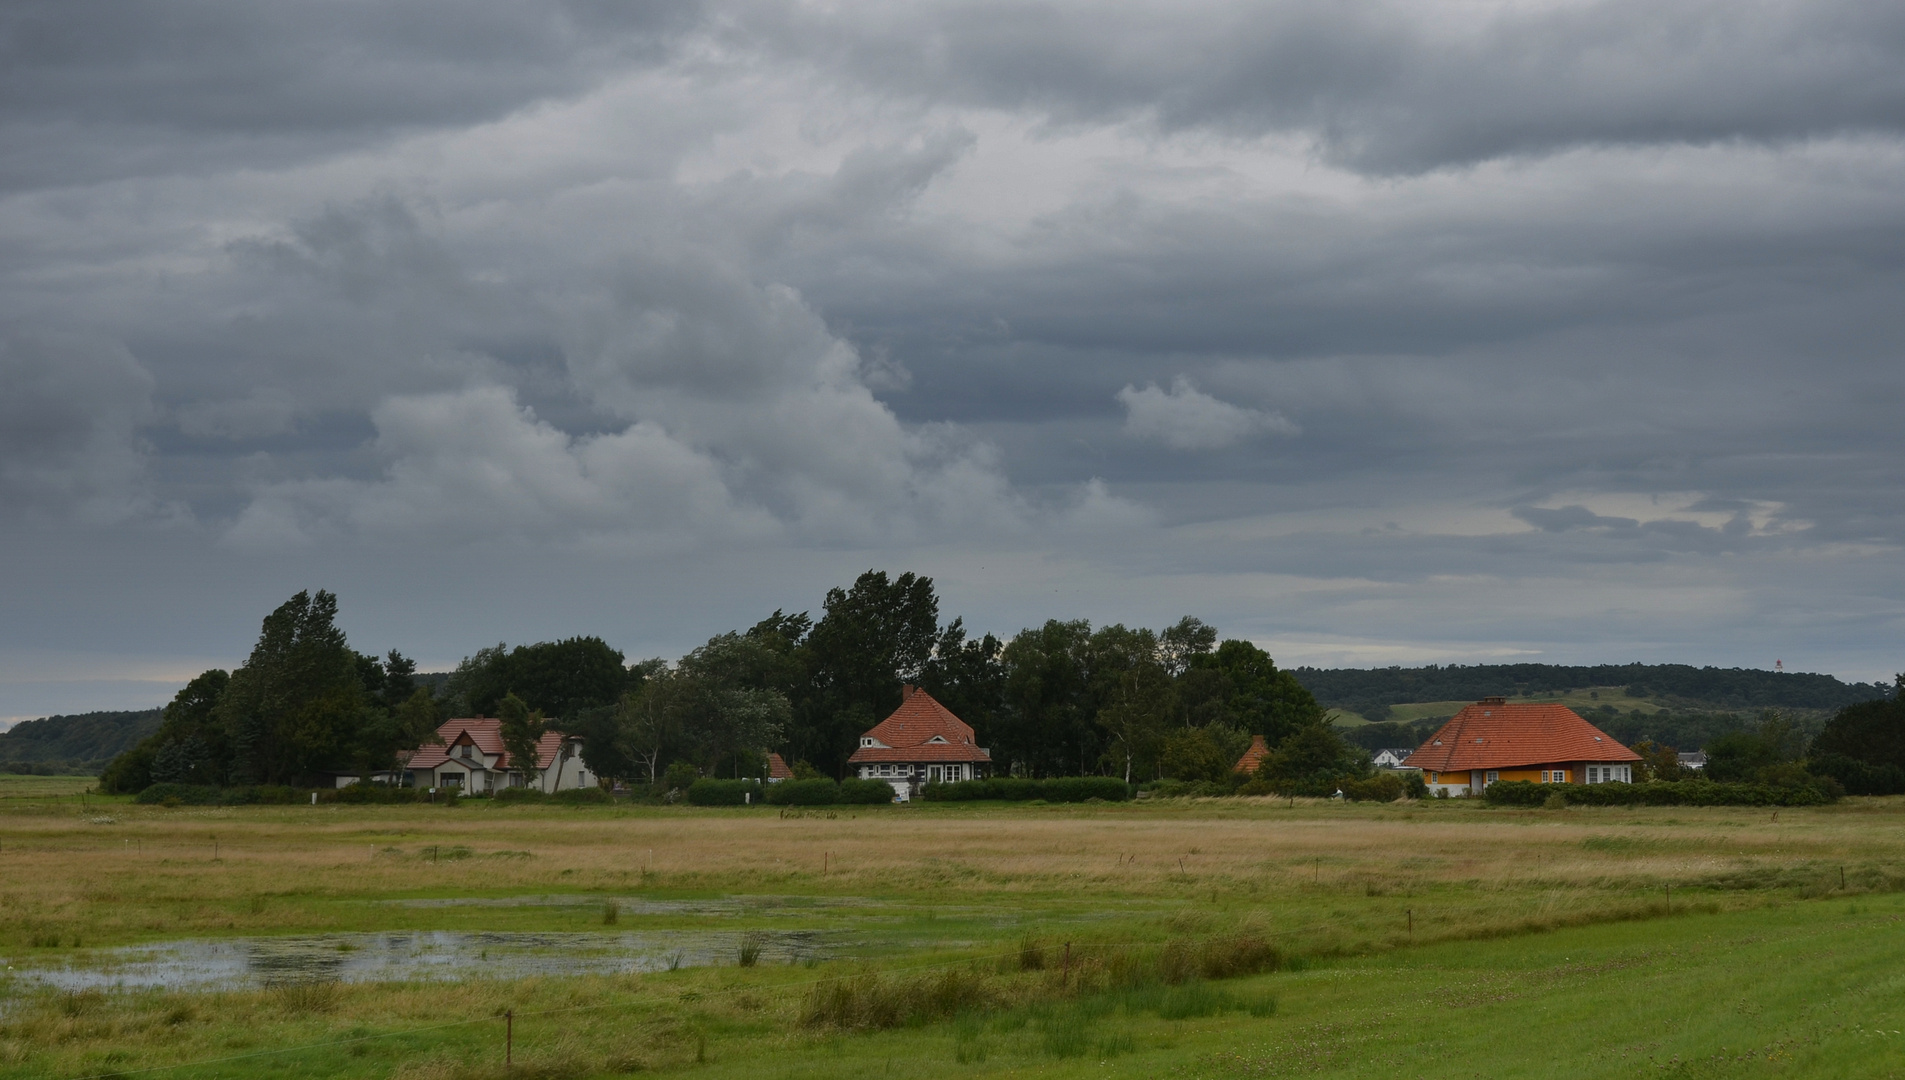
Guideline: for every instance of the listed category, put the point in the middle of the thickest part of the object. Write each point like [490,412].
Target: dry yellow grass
[127,873]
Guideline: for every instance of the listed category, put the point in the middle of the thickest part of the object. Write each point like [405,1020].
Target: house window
[468,752]
[1492,777]
[1558,776]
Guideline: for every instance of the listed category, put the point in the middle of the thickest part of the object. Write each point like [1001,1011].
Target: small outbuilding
[1492,740]
[1253,757]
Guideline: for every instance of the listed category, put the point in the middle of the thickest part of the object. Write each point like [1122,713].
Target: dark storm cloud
[104,90]
[1382,331]
[1394,87]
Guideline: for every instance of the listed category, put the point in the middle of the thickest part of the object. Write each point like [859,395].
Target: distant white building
[1695,760]
[1391,758]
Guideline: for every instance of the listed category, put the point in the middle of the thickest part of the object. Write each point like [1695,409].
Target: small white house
[472,759]
[1391,758]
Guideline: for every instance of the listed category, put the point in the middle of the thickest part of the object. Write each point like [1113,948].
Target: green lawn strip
[1800,989]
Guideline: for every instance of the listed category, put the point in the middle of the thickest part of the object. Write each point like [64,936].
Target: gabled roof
[486,734]
[1253,757]
[921,729]
[777,768]
[1492,734]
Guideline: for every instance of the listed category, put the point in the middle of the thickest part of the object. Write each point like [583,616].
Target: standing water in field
[237,963]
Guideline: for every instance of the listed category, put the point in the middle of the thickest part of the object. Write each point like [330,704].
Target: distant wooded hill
[1370,692]
[81,743]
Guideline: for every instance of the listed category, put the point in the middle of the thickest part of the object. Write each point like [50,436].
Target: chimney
[1494,701]
[906,692]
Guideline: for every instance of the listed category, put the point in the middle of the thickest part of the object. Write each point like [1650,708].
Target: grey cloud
[71,409]
[108,90]
[1571,517]
[1392,87]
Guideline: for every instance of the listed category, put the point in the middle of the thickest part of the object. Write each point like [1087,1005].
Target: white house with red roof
[472,759]
[1492,740]
[921,743]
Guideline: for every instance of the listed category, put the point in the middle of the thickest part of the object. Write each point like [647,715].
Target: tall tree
[522,730]
[874,636]
[298,703]
[648,721]
[730,714]
[189,747]
[1254,695]
[1047,696]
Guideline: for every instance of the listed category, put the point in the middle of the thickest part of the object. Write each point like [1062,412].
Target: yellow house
[1492,740]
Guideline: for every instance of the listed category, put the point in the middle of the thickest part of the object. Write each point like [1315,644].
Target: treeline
[1370,692]
[80,744]
[304,703]
[1061,699]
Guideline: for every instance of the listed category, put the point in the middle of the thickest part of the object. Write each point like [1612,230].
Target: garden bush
[1015,789]
[207,795]
[708,791]
[1665,793]
[1859,777]
[372,793]
[817,792]
[866,792]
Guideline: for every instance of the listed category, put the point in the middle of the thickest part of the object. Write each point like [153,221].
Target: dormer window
[937,739]
[468,751]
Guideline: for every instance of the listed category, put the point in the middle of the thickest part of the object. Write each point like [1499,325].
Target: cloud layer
[1377,331]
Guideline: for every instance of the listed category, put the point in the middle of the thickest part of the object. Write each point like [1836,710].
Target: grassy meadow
[1180,937]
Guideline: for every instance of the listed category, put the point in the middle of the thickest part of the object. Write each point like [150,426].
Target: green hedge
[1666,793]
[708,791]
[583,796]
[1859,777]
[865,792]
[819,792]
[1013,789]
[206,795]
[373,793]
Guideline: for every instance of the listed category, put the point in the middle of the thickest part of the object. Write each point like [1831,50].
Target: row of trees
[1060,699]
[303,702]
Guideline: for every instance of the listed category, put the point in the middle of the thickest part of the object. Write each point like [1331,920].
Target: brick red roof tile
[1253,757]
[777,768]
[1492,734]
[909,734]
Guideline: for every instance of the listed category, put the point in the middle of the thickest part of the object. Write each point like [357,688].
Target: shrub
[871,1001]
[178,795]
[817,792]
[1014,789]
[866,792]
[1666,793]
[1383,787]
[711,792]
[586,796]
[1859,777]
[370,793]
[520,795]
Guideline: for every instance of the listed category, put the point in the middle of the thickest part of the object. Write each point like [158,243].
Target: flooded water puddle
[644,905]
[242,963]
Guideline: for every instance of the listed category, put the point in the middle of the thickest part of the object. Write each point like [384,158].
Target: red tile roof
[486,734]
[777,768]
[1253,757]
[1492,734]
[921,729]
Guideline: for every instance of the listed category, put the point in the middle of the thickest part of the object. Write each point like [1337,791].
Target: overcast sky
[1373,332]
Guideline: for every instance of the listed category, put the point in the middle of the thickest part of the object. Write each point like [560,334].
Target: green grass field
[1438,938]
